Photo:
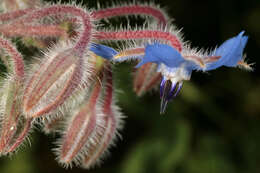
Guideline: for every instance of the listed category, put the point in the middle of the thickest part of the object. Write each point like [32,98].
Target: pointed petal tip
[231,52]
[103,51]
[242,32]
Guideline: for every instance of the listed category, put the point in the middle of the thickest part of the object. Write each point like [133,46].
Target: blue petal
[103,51]
[231,51]
[161,53]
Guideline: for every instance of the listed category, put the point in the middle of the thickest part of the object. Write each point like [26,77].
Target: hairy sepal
[14,126]
[80,127]
[105,137]
[105,134]
[54,80]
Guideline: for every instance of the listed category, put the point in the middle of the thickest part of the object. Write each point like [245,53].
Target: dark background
[213,126]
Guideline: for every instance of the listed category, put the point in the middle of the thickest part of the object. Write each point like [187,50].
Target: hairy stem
[85,36]
[131,10]
[143,34]
[46,31]
[14,14]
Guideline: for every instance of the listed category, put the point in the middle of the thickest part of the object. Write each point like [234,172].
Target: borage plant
[69,89]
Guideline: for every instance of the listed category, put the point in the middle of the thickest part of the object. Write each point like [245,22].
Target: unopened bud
[53,81]
[14,126]
[80,128]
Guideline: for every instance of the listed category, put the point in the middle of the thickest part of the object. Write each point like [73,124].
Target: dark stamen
[161,87]
[168,91]
[178,89]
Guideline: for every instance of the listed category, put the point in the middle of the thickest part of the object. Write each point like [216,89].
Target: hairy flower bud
[54,80]
[80,128]
[105,134]
[55,124]
[14,126]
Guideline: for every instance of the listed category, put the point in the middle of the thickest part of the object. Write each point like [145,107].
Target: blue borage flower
[176,67]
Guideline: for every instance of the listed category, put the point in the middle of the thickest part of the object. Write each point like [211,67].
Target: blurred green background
[213,126]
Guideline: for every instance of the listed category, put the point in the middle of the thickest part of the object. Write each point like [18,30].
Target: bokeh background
[213,126]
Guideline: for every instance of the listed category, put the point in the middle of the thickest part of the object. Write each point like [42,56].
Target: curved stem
[85,37]
[14,14]
[143,34]
[131,10]
[21,30]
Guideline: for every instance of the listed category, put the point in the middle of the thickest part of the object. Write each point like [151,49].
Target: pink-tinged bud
[80,128]
[14,127]
[11,112]
[146,78]
[77,134]
[105,134]
[13,130]
[54,80]
[103,139]
[55,124]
